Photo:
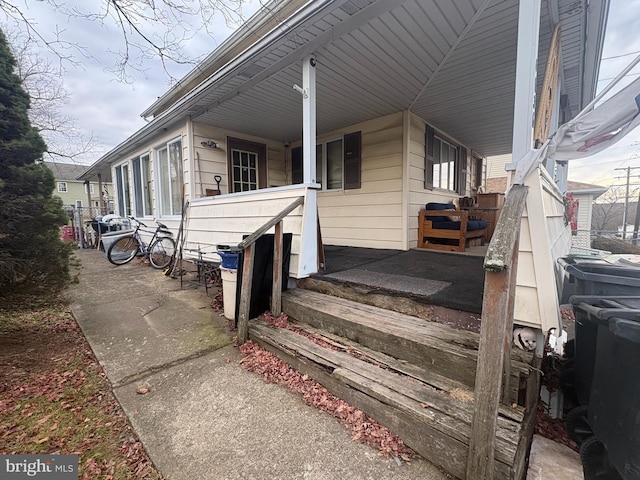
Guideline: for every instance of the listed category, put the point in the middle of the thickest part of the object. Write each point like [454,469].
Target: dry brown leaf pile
[362,427]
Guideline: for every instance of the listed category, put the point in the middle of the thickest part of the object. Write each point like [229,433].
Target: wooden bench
[427,233]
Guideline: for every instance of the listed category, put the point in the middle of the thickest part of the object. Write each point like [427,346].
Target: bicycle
[159,250]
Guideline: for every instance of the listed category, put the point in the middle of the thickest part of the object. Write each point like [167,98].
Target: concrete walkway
[205,417]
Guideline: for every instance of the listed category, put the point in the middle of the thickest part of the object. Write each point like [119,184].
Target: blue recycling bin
[229,256]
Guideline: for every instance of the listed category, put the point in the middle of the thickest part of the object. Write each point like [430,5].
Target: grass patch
[55,398]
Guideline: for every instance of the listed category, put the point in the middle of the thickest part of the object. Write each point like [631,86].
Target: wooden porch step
[448,352]
[431,413]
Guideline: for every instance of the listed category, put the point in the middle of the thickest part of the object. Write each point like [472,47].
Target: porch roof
[452,63]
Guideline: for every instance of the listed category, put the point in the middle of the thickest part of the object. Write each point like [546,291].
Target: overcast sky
[110,109]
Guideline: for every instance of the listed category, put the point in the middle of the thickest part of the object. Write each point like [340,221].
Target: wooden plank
[276,292]
[407,369]
[428,441]
[452,427]
[245,298]
[495,334]
[546,102]
[449,351]
[438,401]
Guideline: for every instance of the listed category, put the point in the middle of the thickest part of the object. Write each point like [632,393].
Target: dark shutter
[428,158]
[462,176]
[296,165]
[352,160]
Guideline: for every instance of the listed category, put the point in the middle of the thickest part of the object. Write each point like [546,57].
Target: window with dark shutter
[352,160]
[296,165]
[429,138]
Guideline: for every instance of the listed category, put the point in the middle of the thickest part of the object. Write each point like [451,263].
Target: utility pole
[636,223]
[626,201]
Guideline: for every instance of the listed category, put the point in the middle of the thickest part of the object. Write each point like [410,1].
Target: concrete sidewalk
[205,417]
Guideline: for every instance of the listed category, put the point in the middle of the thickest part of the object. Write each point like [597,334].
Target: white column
[309,242]
[526,62]
[309,120]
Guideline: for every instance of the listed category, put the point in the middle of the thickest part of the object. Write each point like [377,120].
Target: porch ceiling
[452,63]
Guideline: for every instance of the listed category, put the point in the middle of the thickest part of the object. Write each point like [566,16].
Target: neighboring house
[366,108]
[584,194]
[75,192]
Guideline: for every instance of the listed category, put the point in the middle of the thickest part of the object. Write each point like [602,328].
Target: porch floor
[434,285]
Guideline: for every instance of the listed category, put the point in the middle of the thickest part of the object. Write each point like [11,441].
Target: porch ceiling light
[209,143]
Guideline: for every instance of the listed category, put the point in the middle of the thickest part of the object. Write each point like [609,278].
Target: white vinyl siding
[370,216]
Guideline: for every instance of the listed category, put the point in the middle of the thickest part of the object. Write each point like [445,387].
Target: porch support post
[103,210]
[526,62]
[308,260]
[309,119]
[87,184]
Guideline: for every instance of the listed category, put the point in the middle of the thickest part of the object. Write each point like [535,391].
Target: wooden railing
[494,355]
[247,245]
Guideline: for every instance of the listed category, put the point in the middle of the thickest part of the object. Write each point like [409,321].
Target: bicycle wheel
[161,252]
[123,250]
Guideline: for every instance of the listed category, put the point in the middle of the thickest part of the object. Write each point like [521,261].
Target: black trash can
[262,285]
[595,281]
[614,404]
[590,311]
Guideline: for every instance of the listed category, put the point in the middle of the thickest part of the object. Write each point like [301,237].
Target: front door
[247,165]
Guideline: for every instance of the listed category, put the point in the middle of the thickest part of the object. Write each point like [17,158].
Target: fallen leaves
[54,397]
[363,428]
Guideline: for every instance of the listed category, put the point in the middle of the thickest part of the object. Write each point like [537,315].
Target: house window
[329,164]
[169,163]
[244,170]
[62,187]
[338,163]
[123,190]
[141,169]
[90,188]
[445,164]
[478,164]
[247,165]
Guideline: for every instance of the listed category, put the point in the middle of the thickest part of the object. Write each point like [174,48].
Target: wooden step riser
[427,438]
[443,358]
[408,305]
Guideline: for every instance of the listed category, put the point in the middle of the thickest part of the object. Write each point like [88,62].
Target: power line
[621,55]
[611,78]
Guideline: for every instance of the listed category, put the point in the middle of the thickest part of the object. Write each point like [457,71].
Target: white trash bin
[229,282]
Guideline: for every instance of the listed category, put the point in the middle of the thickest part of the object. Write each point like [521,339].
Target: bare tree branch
[148,29]
[43,81]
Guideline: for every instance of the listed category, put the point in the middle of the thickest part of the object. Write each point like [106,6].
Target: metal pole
[636,223]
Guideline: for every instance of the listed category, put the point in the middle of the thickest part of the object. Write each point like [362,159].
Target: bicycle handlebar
[160,225]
